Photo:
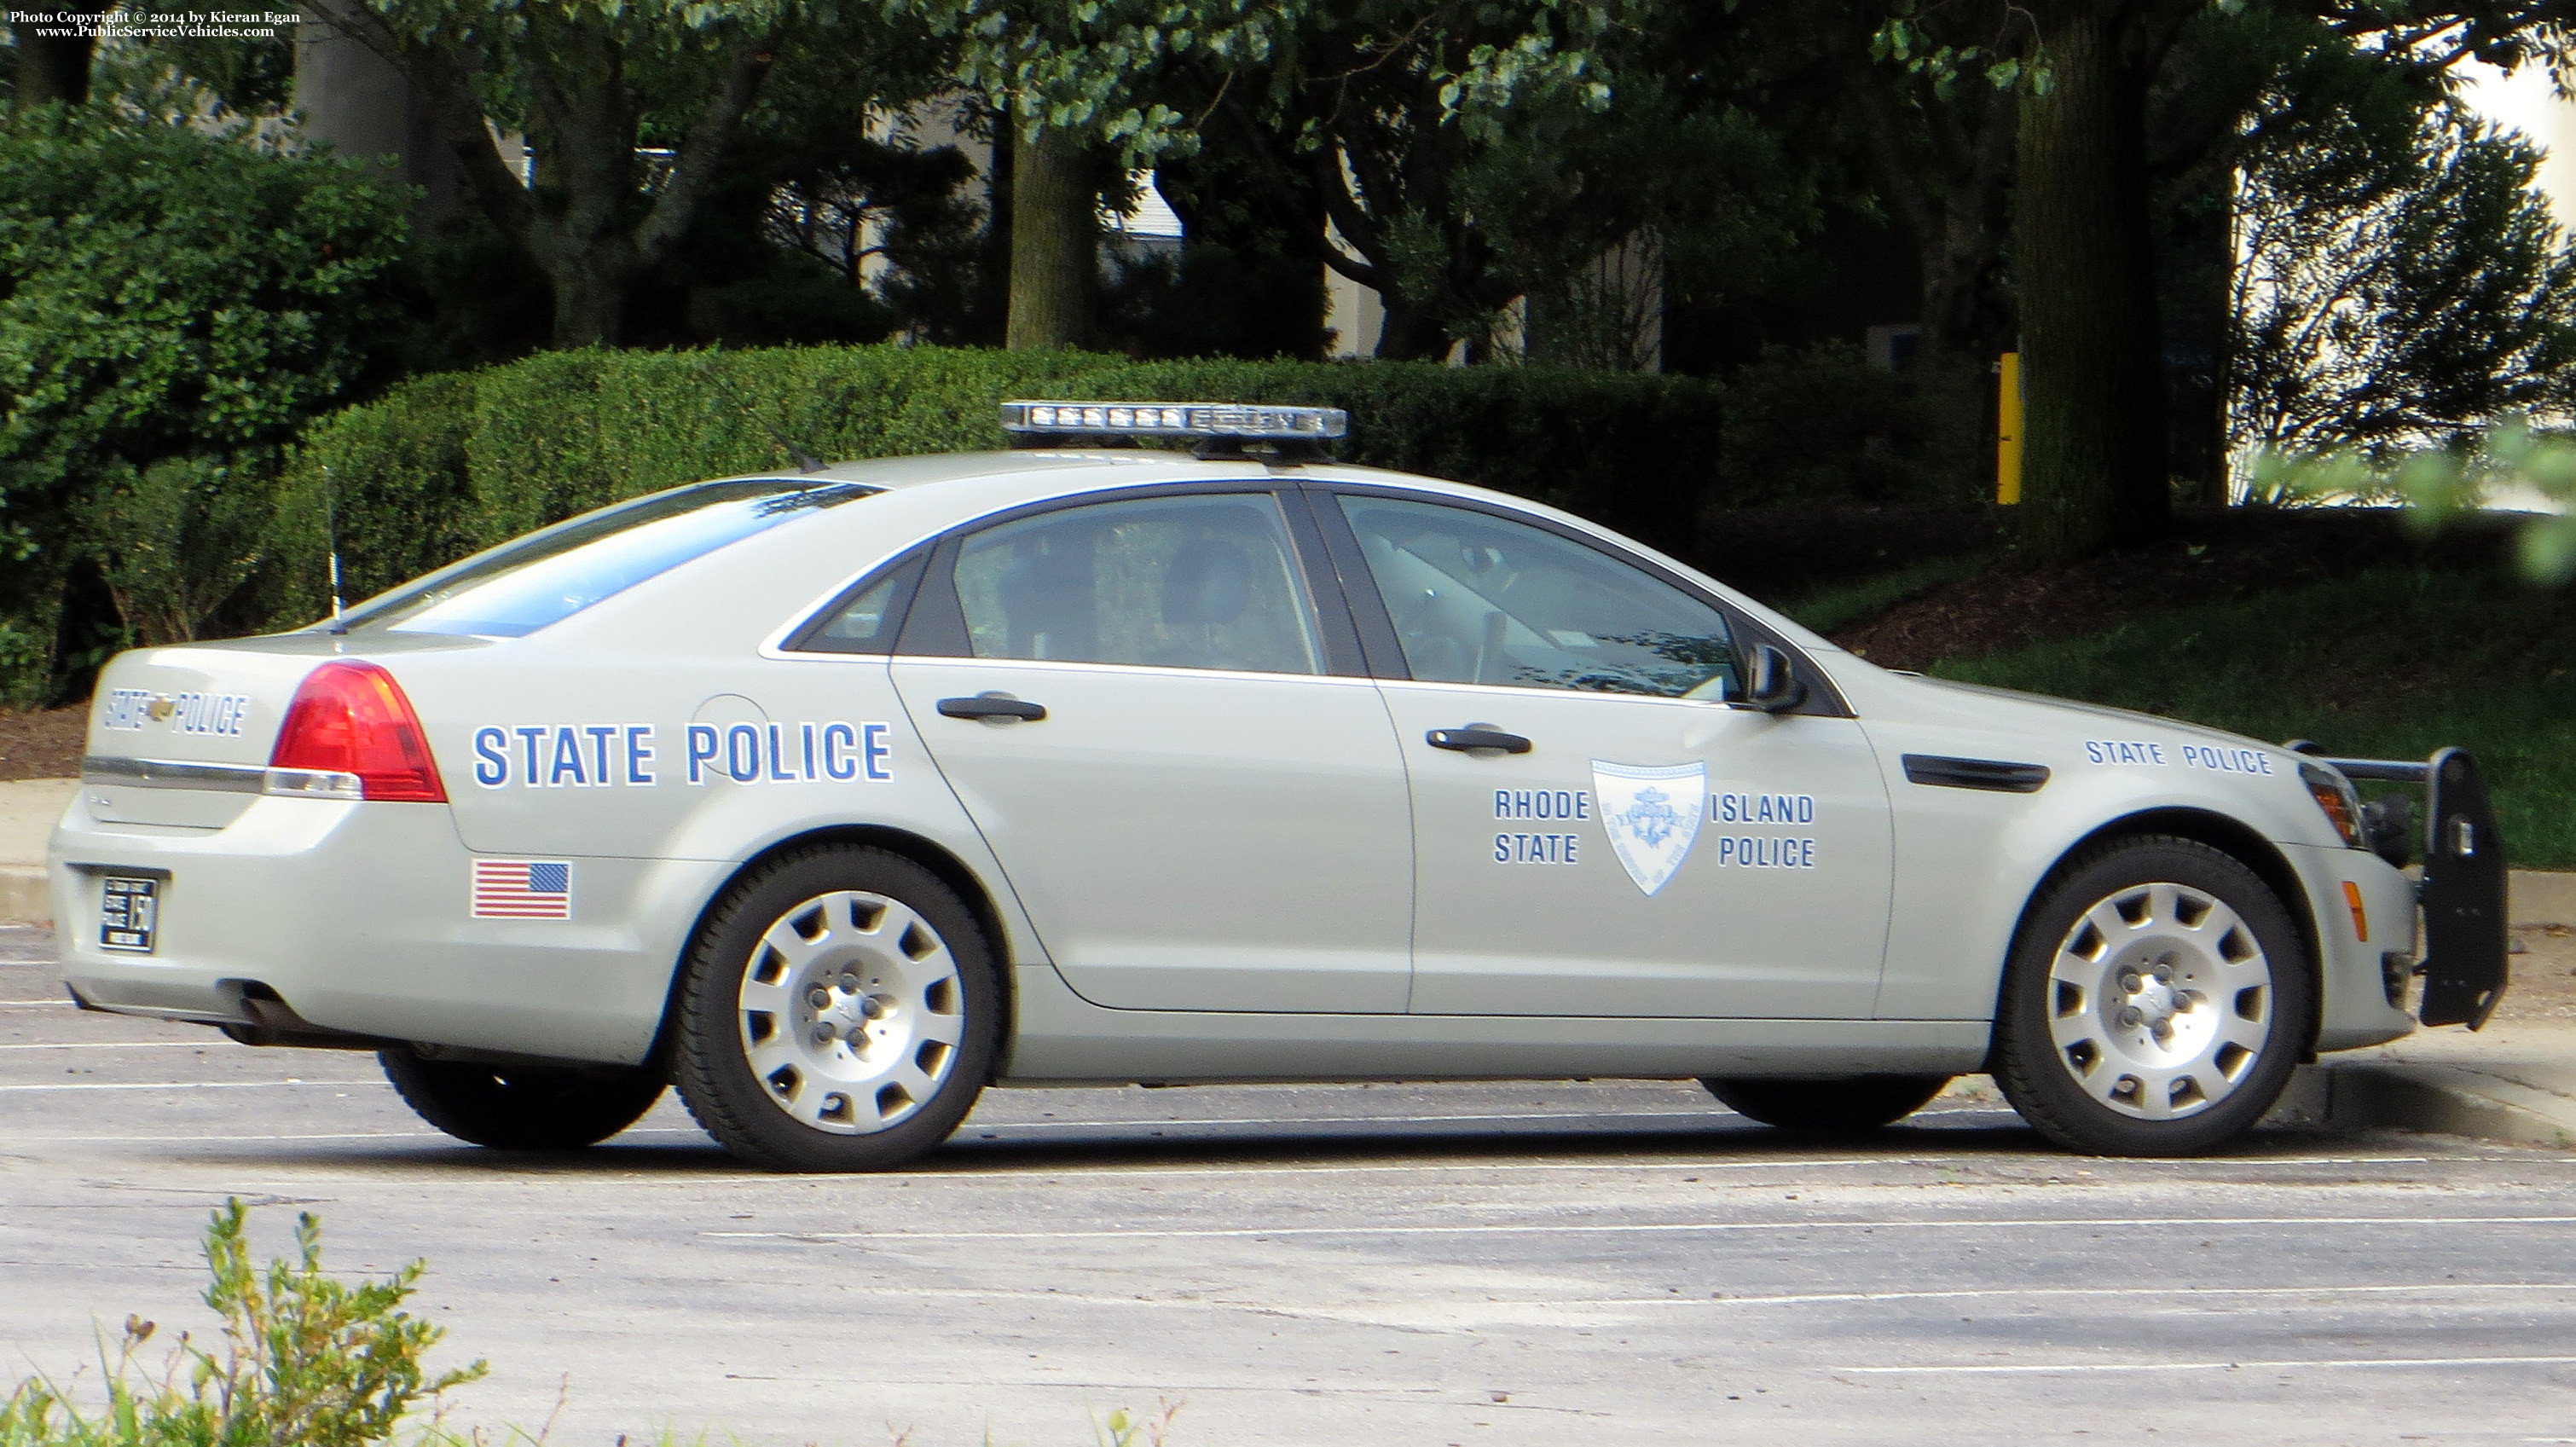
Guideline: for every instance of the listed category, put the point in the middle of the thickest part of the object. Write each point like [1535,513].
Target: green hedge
[447,464]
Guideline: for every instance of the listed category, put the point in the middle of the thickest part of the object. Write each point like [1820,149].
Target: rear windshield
[551,574]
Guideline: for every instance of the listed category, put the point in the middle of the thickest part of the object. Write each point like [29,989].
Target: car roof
[1066,472]
[992,482]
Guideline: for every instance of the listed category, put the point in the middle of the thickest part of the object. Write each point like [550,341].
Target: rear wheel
[521,1108]
[2155,1004]
[839,1013]
[1840,1106]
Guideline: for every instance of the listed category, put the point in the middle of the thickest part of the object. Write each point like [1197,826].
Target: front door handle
[1477,736]
[987,705]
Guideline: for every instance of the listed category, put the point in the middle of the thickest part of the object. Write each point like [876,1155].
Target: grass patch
[2389,664]
[1845,604]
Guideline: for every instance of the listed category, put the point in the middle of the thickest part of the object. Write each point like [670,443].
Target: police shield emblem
[1652,816]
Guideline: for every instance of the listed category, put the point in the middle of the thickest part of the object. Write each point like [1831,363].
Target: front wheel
[521,1108]
[2155,1003]
[1845,1105]
[839,1013]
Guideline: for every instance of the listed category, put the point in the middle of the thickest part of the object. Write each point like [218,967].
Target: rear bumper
[356,916]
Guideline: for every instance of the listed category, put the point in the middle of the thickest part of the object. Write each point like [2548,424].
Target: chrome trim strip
[171,774]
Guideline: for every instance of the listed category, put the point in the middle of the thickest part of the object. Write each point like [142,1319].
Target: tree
[2089,161]
[2401,286]
[1595,217]
[1922,102]
[589,82]
[1396,105]
[1386,100]
[1067,79]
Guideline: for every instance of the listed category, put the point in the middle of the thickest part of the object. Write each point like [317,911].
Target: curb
[23,896]
[2540,896]
[2450,1099]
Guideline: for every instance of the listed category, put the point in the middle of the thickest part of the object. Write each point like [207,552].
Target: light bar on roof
[1177,419]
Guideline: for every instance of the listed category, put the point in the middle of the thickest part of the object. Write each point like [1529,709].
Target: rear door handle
[1477,736]
[986,705]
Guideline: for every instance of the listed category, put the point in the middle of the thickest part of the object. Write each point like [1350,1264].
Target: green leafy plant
[165,293]
[305,1360]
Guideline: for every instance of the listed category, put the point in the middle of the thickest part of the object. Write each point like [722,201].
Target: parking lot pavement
[1478,1264]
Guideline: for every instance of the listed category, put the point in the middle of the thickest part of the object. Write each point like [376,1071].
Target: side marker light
[2360,916]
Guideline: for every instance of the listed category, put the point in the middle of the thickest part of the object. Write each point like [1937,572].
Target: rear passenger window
[1178,582]
[867,623]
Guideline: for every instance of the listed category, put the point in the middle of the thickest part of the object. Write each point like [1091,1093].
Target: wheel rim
[2161,1001]
[851,1012]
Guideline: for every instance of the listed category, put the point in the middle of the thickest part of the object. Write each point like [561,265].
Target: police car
[832,798]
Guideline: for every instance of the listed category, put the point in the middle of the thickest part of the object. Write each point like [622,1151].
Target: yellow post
[2008,429]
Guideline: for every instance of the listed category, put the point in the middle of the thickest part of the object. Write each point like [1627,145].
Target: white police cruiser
[834,798]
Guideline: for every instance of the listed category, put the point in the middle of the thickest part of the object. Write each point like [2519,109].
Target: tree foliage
[594,85]
[2401,284]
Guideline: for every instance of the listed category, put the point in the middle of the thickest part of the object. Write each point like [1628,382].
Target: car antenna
[805,461]
[331,538]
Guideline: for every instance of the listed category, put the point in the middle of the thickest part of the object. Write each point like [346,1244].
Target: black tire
[1844,1105]
[2063,1049]
[786,1120]
[522,1108]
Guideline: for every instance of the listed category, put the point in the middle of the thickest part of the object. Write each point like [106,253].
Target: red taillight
[352,718]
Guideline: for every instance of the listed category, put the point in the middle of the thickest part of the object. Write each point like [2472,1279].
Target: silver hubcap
[851,1012]
[2161,1001]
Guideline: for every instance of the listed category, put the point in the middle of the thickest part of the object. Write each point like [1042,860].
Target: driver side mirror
[1770,683]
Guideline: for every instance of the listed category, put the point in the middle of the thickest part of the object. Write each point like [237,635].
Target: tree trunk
[55,68]
[2093,466]
[590,300]
[1055,243]
[1411,332]
[367,110]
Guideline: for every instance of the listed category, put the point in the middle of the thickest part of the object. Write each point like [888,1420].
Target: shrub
[1823,423]
[165,294]
[391,479]
[448,464]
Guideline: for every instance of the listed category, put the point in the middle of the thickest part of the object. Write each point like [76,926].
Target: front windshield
[551,574]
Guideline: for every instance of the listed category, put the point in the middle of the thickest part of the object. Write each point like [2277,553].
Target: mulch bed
[43,744]
[2210,558]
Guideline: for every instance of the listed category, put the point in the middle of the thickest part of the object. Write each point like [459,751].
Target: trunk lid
[179,737]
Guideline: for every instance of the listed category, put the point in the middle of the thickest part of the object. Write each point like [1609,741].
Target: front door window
[1481,599]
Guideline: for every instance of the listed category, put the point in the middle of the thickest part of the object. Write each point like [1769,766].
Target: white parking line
[188,1084]
[1578,1303]
[1713,1113]
[336,1135]
[35,1004]
[2017,1368]
[2059,1292]
[1638,1227]
[115,1045]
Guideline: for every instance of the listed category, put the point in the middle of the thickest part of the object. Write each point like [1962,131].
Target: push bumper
[2462,892]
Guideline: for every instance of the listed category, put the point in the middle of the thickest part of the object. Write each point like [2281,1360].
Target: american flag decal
[522,889]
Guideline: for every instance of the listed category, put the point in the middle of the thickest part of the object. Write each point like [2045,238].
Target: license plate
[129,913]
